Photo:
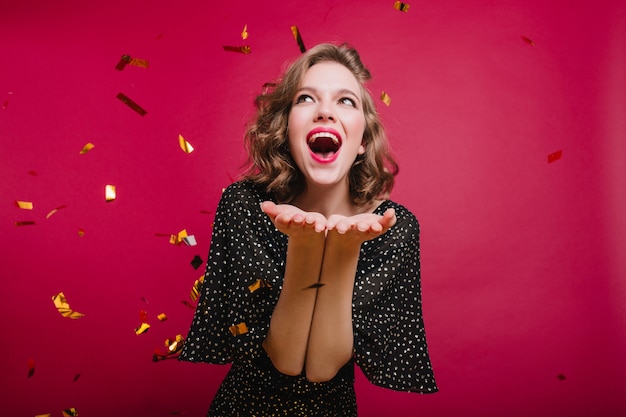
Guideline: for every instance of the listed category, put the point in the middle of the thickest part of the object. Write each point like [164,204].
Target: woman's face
[326,124]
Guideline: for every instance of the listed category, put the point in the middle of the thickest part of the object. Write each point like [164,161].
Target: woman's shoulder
[245,191]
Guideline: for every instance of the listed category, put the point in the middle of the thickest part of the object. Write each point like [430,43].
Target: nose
[324,112]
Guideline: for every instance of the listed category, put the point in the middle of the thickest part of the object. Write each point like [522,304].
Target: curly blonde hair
[270,163]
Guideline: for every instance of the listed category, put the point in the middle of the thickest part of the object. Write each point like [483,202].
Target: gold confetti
[54,211]
[70,412]
[298,38]
[188,304]
[178,238]
[528,41]
[143,327]
[43,415]
[31,367]
[33,173]
[385,98]
[162,317]
[81,233]
[258,284]
[24,205]
[25,223]
[403,7]
[136,107]
[195,290]
[242,49]
[136,62]
[87,148]
[238,329]
[60,302]
[244,33]
[110,193]
[184,145]
[174,347]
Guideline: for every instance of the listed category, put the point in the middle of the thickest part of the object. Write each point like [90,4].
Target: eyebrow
[342,91]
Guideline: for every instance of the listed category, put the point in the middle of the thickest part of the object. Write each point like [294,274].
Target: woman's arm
[331,339]
[288,335]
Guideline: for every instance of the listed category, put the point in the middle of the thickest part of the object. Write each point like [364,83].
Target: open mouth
[324,144]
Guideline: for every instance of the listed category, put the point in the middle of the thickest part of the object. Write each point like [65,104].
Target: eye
[347,101]
[304,98]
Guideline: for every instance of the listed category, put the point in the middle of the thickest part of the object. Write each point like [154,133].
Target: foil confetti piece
[25,223]
[143,327]
[136,107]
[194,294]
[238,329]
[31,367]
[177,239]
[314,286]
[141,63]
[190,240]
[143,316]
[298,38]
[124,60]
[267,87]
[87,148]
[81,233]
[174,347]
[241,49]
[54,211]
[43,415]
[403,7]
[528,41]
[188,304]
[76,377]
[60,302]
[196,262]
[244,32]
[110,192]
[24,205]
[258,284]
[162,317]
[555,156]
[70,412]
[184,145]
[385,98]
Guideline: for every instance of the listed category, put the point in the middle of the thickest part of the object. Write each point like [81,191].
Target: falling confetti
[258,284]
[43,415]
[177,239]
[242,49]
[31,367]
[70,412]
[528,41]
[298,38]
[136,107]
[143,327]
[190,240]
[195,290]
[188,304]
[54,211]
[124,60]
[184,145]
[385,98]
[25,223]
[555,156]
[196,262]
[81,233]
[76,377]
[403,7]
[238,329]
[110,192]
[162,317]
[174,347]
[24,205]
[244,32]
[87,148]
[60,302]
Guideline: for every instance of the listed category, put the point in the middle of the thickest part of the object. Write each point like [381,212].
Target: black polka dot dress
[241,287]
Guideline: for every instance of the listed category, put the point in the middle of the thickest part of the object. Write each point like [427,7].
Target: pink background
[523,261]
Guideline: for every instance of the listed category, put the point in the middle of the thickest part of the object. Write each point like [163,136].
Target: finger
[269,208]
[389,218]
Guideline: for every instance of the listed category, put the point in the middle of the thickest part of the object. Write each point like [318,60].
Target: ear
[362,147]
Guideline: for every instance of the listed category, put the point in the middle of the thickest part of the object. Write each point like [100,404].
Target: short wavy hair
[270,163]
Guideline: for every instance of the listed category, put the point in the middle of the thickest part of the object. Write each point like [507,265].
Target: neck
[327,200]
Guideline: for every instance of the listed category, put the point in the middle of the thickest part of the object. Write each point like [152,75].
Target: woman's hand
[362,227]
[292,221]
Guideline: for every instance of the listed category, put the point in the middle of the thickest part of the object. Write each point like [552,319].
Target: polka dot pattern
[389,338]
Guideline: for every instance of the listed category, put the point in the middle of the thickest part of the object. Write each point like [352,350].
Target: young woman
[312,268]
